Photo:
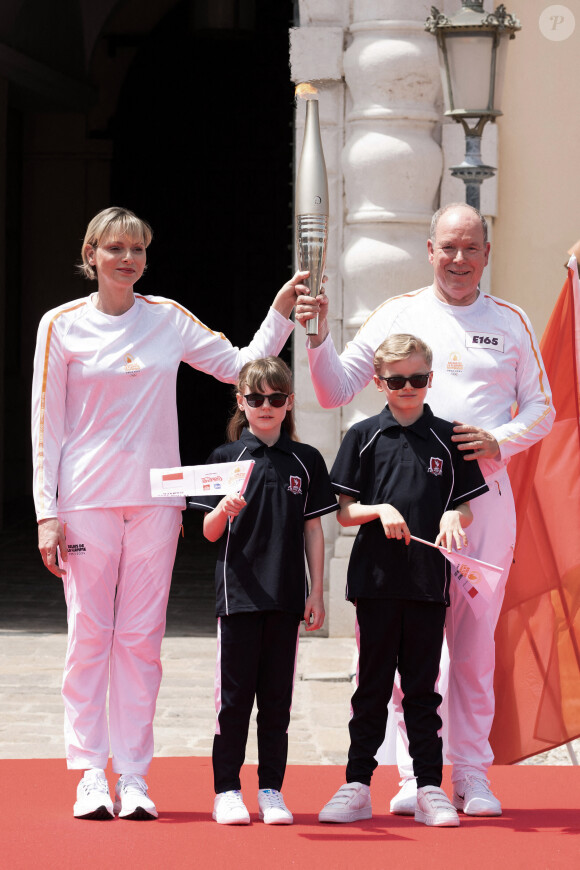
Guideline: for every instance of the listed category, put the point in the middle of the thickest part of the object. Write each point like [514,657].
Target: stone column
[316,56]
[391,171]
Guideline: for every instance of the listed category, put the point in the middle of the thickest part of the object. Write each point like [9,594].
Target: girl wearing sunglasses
[265,540]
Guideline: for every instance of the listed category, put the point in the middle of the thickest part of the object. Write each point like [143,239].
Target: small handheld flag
[477,580]
[220,478]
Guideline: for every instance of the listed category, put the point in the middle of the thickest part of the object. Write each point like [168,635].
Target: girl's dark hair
[270,371]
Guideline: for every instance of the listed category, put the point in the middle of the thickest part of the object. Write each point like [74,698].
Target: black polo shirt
[261,563]
[418,470]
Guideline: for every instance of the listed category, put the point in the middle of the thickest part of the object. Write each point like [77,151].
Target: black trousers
[406,635]
[256,659]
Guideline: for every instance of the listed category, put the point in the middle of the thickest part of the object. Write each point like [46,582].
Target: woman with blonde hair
[104,413]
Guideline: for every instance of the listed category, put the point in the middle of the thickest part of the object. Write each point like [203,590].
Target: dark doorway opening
[203,150]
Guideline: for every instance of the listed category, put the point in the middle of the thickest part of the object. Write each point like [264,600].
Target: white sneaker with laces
[405,801]
[229,808]
[272,808]
[131,799]
[474,797]
[351,803]
[435,809]
[93,798]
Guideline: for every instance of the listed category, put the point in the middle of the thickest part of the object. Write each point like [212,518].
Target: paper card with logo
[221,478]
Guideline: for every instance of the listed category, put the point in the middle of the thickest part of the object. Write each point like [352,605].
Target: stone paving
[32,647]
[33,643]
[32,713]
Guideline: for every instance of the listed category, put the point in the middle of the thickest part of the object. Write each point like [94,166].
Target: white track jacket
[103,396]
[486,360]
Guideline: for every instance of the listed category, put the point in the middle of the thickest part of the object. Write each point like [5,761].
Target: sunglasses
[276,400]
[397,382]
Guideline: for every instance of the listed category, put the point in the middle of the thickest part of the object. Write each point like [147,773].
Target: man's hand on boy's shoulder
[481,443]
[393,523]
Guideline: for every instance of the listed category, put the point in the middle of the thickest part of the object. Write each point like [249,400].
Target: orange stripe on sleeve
[540,371]
[388,301]
[40,457]
[183,311]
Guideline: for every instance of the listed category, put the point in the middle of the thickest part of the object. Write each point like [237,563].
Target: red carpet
[539,830]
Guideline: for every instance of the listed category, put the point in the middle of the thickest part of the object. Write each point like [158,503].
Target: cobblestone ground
[32,713]
[33,642]
[32,647]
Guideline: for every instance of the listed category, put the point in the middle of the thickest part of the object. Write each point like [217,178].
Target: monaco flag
[537,674]
[477,580]
[221,478]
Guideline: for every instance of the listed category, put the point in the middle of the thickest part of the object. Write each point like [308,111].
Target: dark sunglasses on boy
[256,400]
[397,382]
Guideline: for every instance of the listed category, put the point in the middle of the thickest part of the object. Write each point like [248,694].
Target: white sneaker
[405,801]
[229,808]
[351,803]
[93,798]
[435,809]
[474,796]
[131,800]
[273,810]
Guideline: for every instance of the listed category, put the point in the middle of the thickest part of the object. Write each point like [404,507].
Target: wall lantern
[472,53]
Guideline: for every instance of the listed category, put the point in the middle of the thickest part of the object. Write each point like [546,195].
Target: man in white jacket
[486,361]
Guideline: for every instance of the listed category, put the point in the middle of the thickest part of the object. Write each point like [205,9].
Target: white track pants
[470,696]
[117,583]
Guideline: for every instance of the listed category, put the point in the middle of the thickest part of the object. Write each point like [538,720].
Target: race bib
[484,341]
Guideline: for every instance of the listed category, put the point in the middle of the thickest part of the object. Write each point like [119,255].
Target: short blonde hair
[400,346]
[114,221]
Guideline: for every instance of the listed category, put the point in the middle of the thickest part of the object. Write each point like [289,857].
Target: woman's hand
[285,299]
[51,538]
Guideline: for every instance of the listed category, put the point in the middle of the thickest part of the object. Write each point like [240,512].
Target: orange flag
[537,675]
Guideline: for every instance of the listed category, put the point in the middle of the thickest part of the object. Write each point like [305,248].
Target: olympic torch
[311,206]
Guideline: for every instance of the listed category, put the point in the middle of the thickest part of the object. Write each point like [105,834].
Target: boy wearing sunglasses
[399,473]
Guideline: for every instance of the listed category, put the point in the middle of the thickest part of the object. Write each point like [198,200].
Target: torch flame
[305,91]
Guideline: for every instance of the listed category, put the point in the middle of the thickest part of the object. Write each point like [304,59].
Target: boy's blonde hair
[268,371]
[400,346]
[111,222]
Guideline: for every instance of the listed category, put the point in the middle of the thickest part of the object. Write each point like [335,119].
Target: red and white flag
[477,580]
[537,674]
[220,478]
